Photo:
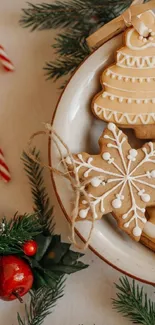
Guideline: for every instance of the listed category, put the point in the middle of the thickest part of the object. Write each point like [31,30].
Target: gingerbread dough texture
[148,234]
[128,95]
[120,180]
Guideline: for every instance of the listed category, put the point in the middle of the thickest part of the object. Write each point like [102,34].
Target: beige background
[27,100]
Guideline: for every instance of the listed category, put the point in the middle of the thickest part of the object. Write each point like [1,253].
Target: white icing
[126,90]
[153,173]
[135,62]
[132,154]
[106,94]
[106,156]
[132,47]
[126,176]
[115,75]
[83,213]
[118,117]
[96,181]
[149,229]
[144,40]
[145,197]
[138,101]
[117,203]
[111,127]
[137,231]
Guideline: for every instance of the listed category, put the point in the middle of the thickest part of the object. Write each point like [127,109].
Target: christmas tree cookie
[119,180]
[128,95]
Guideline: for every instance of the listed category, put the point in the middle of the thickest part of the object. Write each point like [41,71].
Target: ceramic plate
[80,130]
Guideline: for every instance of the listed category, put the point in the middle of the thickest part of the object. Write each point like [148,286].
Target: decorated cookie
[148,234]
[128,96]
[120,180]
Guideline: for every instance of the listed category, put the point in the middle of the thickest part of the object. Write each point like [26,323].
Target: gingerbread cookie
[128,97]
[148,234]
[121,180]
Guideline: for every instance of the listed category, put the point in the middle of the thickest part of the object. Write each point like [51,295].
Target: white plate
[79,129]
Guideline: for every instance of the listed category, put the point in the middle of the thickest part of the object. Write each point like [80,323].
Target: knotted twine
[79,188]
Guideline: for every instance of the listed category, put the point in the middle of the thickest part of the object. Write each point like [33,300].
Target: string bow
[77,186]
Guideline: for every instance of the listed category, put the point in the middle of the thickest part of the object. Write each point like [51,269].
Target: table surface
[27,100]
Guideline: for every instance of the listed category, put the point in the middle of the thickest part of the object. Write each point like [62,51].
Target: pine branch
[73,50]
[61,67]
[71,44]
[16,231]
[131,302]
[40,197]
[65,14]
[80,18]
[42,304]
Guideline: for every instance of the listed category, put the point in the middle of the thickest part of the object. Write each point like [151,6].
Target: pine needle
[133,303]
[78,19]
[40,197]
[42,304]
[15,232]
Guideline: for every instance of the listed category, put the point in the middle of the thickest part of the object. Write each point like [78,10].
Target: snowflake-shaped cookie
[122,181]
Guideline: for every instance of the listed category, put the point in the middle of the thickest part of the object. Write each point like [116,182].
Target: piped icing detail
[132,172]
[108,95]
[146,42]
[118,117]
[137,62]
[127,78]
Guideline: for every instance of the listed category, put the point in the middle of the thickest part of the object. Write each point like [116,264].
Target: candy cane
[5,61]
[4,170]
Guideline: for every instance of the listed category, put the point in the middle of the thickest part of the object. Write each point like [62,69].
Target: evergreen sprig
[15,232]
[41,305]
[78,19]
[53,260]
[40,197]
[133,303]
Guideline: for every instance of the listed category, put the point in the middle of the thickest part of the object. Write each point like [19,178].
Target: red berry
[30,247]
[16,277]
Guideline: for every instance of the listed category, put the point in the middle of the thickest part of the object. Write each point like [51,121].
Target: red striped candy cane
[4,170]
[5,61]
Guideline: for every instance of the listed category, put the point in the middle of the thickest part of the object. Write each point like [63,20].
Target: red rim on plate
[59,199]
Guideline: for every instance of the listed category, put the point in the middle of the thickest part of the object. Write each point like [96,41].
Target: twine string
[78,187]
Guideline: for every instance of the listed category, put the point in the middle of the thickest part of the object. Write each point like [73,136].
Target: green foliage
[133,303]
[40,197]
[41,305]
[53,260]
[15,232]
[78,19]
